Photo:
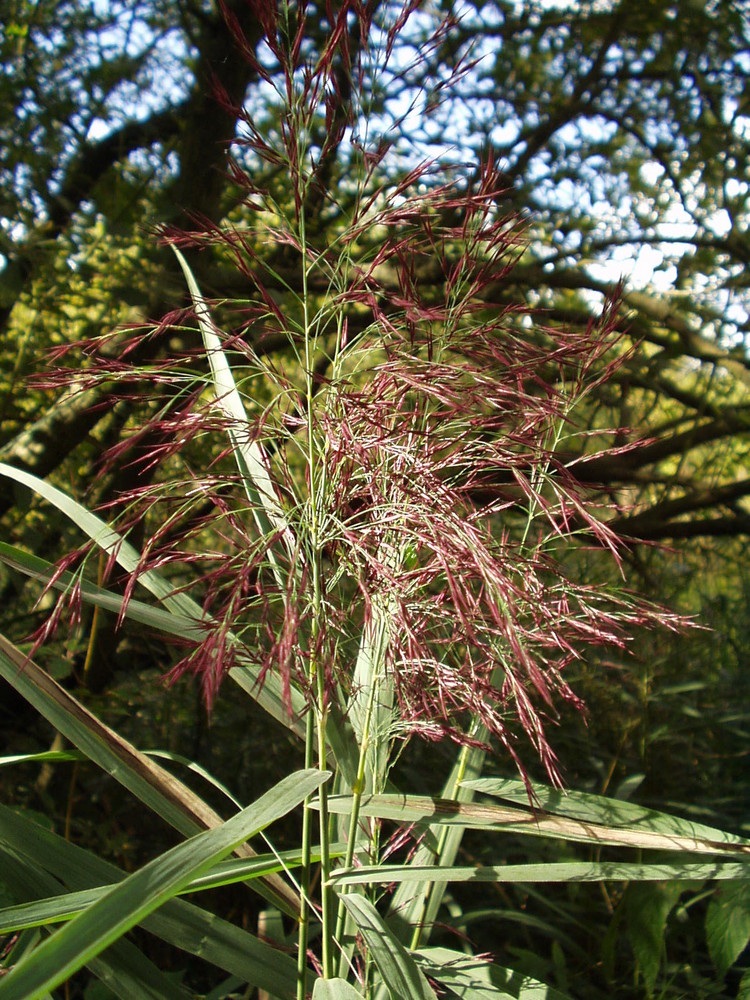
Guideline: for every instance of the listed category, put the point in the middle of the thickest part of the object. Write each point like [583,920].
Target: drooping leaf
[123,967]
[178,922]
[181,616]
[65,906]
[183,619]
[254,466]
[170,622]
[472,978]
[108,540]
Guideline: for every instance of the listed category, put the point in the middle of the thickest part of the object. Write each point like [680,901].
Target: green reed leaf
[250,455]
[37,851]
[168,621]
[451,812]
[153,785]
[472,978]
[401,974]
[123,968]
[109,540]
[59,908]
[571,871]
[145,891]
[181,616]
[599,809]
[334,989]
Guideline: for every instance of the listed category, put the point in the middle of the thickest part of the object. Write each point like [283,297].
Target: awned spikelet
[449,502]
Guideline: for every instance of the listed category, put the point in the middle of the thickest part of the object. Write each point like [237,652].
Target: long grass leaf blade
[170,622]
[572,871]
[56,756]
[254,465]
[268,695]
[178,922]
[140,894]
[371,706]
[400,973]
[188,620]
[250,455]
[472,978]
[591,808]
[59,908]
[123,968]
[153,785]
[107,539]
[429,811]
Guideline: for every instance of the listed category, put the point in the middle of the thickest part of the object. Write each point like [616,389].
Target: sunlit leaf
[433,811]
[65,906]
[38,850]
[473,978]
[599,809]
[250,455]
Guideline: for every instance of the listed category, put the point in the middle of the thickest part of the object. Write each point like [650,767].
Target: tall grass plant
[354,502]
